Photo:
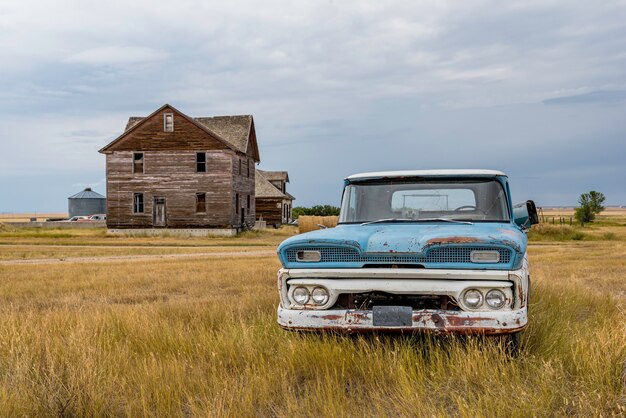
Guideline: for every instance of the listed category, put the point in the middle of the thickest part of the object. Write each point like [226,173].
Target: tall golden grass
[199,338]
[312,223]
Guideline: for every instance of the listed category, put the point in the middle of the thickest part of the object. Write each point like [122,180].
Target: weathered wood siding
[243,185]
[171,174]
[271,210]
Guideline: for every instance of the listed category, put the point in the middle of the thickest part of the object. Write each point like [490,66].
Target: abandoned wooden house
[169,170]
[273,203]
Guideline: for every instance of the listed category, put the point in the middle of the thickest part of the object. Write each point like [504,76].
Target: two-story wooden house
[169,170]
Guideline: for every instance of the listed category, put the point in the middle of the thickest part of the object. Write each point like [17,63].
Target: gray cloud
[117,56]
[593,97]
[347,86]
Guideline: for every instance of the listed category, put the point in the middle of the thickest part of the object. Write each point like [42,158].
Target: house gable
[148,134]
[253,147]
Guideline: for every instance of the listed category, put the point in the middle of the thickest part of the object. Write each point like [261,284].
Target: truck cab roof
[379,175]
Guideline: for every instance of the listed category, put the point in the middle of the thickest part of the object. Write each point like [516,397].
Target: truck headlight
[319,295]
[495,299]
[308,256]
[300,295]
[473,298]
[485,256]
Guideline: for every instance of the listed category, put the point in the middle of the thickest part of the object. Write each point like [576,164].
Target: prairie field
[26,217]
[613,212]
[98,325]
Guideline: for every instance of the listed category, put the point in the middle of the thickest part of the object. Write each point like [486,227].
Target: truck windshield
[423,200]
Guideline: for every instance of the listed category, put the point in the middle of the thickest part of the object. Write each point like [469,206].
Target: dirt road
[124,258]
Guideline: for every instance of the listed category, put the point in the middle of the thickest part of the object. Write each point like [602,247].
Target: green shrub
[609,236]
[547,232]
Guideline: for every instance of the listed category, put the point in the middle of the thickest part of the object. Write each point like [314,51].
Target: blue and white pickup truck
[427,250]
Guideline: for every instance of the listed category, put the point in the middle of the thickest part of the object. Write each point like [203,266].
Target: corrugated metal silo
[86,203]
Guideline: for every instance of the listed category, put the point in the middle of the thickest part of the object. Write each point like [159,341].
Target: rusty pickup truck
[426,250]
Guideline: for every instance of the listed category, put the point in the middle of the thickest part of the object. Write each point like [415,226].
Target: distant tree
[317,210]
[590,205]
[297,211]
[324,210]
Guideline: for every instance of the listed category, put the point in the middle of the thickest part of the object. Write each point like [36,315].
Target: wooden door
[158,212]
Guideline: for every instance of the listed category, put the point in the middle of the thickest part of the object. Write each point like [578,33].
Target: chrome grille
[435,255]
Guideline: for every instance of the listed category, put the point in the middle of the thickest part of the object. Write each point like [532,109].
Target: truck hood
[412,238]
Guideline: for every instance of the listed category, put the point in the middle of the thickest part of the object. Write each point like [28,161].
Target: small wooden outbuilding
[273,203]
[170,170]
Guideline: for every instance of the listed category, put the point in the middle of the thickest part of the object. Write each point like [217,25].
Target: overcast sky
[536,88]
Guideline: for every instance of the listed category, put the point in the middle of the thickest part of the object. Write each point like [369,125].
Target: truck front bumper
[428,320]
[408,281]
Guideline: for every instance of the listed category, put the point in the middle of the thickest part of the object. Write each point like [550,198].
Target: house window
[168,122]
[138,203]
[201,162]
[137,162]
[240,172]
[237,203]
[248,203]
[200,202]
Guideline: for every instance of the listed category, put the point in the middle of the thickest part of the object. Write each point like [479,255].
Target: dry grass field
[607,213]
[198,337]
[312,223]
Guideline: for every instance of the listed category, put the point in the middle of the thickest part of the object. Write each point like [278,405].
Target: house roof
[264,189]
[275,175]
[87,194]
[132,121]
[234,131]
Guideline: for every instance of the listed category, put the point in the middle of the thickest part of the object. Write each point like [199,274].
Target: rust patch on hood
[451,240]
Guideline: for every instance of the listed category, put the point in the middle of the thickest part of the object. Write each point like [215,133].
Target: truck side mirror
[525,214]
[532,212]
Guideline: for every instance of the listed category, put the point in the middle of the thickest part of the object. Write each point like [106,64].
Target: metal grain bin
[86,203]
